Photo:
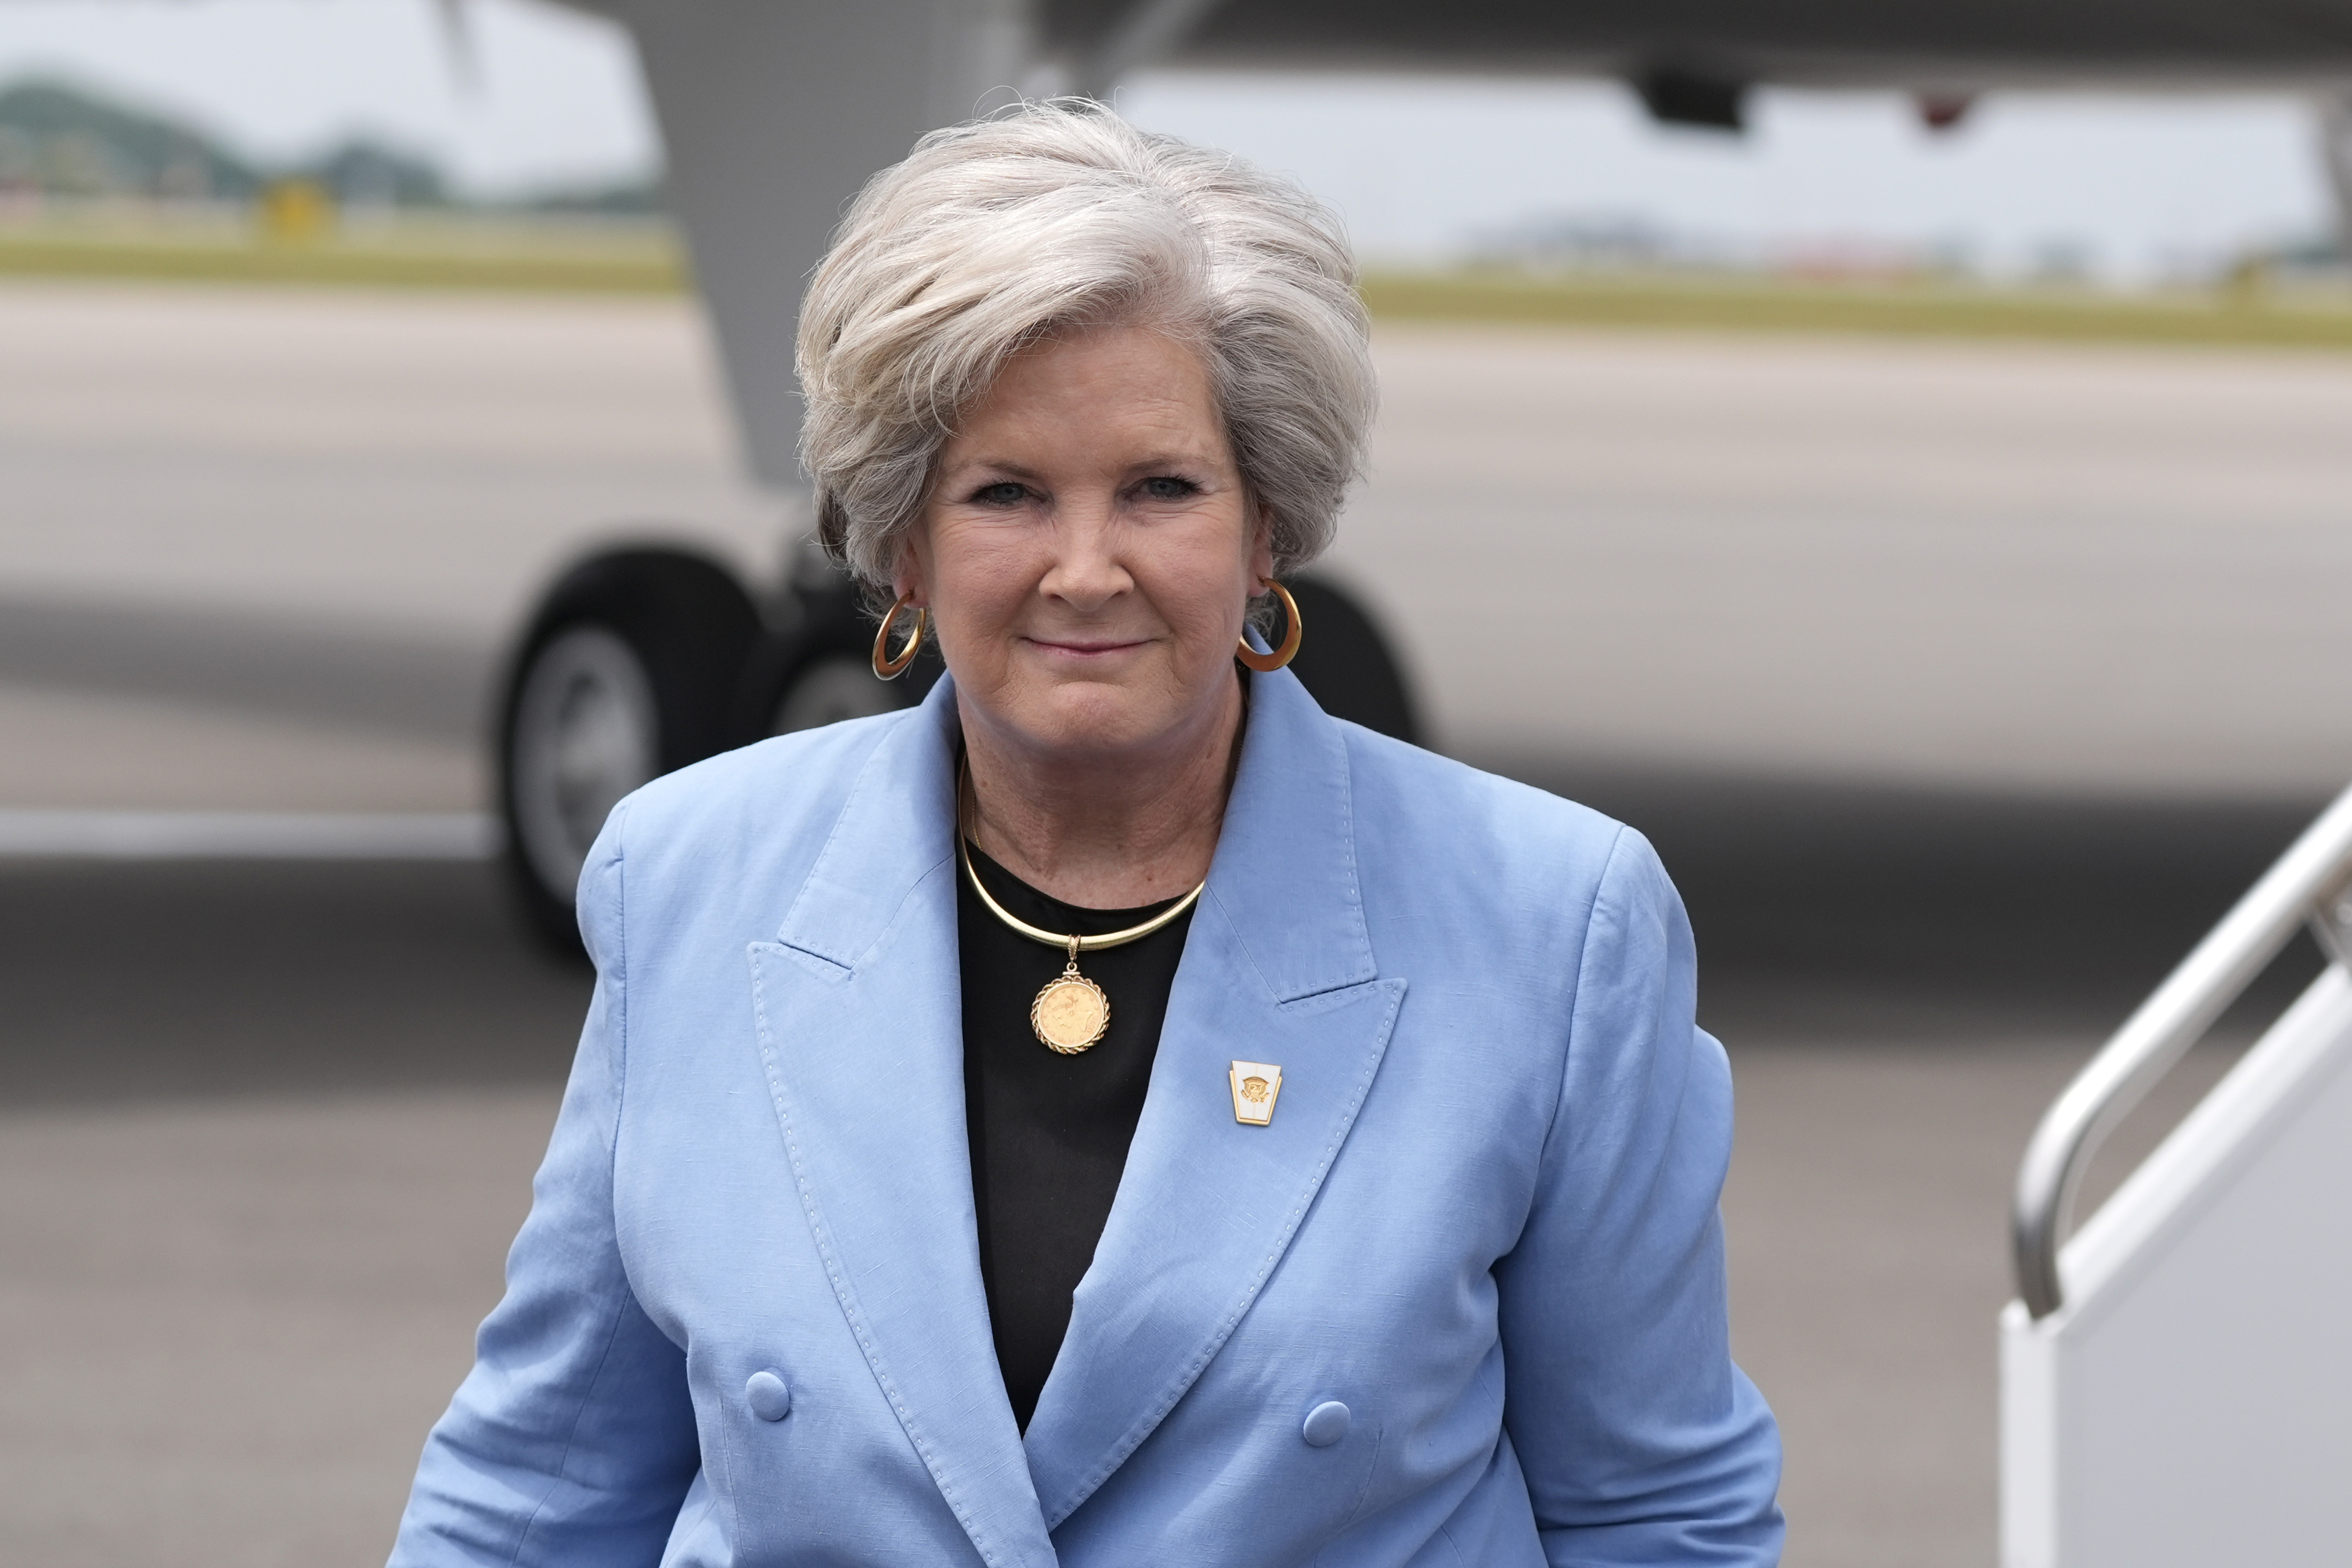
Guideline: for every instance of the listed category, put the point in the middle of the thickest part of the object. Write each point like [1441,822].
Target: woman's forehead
[1127,388]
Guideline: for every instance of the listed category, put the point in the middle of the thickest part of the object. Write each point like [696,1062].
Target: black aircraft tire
[1346,663]
[823,671]
[626,672]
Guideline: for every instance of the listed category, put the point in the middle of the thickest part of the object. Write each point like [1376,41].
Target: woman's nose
[1085,570]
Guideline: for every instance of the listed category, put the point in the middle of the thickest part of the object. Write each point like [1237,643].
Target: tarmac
[266,1127]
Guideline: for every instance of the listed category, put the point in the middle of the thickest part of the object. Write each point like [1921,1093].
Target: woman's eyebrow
[1173,460]
[972,467]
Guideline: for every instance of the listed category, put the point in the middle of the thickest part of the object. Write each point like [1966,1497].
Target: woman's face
[1089,550]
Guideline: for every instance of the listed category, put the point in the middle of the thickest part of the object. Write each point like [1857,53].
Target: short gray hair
[1059,216]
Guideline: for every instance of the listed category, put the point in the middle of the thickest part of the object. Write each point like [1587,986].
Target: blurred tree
[58,139]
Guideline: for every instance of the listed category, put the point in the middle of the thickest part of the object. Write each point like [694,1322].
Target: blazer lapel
[861,1032]
[1278,968]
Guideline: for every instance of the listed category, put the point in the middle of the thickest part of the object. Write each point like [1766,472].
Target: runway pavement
[411,462]
[1961,689]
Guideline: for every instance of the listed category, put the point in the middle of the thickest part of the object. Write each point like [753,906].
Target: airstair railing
[2311,883]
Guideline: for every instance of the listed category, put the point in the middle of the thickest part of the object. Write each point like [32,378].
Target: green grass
[524,254]
[429,253]
[2249,315]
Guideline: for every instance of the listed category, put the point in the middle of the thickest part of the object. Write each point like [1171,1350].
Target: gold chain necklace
[1071,1012]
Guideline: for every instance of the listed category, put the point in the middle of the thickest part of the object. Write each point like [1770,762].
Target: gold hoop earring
[885,666]
[1266,664]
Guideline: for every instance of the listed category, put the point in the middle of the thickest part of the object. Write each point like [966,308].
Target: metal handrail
[2305,885]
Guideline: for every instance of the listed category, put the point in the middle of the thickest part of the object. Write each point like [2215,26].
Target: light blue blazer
[744,1323]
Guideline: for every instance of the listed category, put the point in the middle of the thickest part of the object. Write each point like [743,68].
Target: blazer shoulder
[1478,822]
[750,810]
[1456,864]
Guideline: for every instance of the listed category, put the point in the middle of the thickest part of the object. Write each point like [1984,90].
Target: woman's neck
[1108,831]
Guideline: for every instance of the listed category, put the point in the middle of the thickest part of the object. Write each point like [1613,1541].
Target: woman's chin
[1096,718]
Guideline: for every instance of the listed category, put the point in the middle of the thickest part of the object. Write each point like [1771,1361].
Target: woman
[1353,1200]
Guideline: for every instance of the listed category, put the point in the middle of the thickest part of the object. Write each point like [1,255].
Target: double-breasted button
[1325,1424]
[771,1397]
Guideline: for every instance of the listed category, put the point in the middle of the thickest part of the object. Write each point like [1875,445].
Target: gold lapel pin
[1257,1086]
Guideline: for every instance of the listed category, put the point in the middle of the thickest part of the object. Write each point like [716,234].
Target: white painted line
[249,835]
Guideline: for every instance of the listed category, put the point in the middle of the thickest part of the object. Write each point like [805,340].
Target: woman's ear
[906,576]
[1261,559]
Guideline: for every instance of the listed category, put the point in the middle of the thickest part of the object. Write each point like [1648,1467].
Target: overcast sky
[1422,169]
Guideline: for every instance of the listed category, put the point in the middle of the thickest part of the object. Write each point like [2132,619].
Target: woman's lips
[1087,648]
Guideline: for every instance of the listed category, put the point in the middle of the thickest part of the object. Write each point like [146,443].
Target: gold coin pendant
[1071,1013]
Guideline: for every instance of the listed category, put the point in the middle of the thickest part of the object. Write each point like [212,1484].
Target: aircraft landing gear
[626,672]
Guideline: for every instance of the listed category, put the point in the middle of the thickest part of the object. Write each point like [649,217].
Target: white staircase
[2176,1377]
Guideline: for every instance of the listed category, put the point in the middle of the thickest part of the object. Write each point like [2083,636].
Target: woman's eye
[1168,487]
[1005,492]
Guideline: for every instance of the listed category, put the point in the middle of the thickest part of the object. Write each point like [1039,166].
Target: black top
[1049,1132]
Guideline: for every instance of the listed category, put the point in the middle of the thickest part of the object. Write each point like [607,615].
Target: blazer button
[771,1397]
[1325,1424]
